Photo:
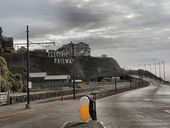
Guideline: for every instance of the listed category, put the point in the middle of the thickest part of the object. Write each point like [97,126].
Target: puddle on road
[147,99]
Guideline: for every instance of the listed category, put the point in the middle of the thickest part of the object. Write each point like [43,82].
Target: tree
[104,55]
[22,49]
[8,80]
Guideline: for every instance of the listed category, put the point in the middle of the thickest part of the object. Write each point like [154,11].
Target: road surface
[147,107]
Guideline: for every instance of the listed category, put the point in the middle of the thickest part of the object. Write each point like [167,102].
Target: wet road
[42,114]
[147,107]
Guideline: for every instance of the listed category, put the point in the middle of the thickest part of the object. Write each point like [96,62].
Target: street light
[163,62]
[145,66]
[139,66]
[159,64]
[155,68]
[150,68]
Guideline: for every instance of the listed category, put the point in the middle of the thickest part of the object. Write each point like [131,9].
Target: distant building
[80,49]
[40,80]
[6,43]
[57,80]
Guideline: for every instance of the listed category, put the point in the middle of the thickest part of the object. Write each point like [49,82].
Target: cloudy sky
[131,31]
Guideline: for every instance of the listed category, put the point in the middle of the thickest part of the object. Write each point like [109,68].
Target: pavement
[89,124]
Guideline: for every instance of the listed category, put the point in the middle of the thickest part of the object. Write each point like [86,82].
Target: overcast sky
[131,31]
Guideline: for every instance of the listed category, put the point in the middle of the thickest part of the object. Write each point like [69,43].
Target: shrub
[8,80]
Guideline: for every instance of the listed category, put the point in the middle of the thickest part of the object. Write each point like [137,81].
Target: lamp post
[145,66]
[155,69]
[28,70]
[150,68]
[159,64]
[139,76]
[115,83]
[163,62]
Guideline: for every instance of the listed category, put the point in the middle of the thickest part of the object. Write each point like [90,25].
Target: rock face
[141,72]
[86,68]
[92,67]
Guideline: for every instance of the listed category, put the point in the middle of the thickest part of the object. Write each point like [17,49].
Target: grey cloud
[136,27]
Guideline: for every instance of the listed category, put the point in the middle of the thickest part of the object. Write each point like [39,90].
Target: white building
[40,80]
[80,49]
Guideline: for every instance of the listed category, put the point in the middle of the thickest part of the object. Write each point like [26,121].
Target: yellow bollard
[84,108]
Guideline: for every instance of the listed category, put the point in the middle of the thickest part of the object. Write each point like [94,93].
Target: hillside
[143,73]
[8,80]
[85,67]
[93,67]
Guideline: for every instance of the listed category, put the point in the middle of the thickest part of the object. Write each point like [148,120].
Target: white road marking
[167,111]
[66,124]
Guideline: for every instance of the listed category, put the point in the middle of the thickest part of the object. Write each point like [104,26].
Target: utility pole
[163,62]
[28,70]
[74,90]
[130,80]
[155,69]
[159,69]
[115,84]
[139,76]
[145,71]
[150,68]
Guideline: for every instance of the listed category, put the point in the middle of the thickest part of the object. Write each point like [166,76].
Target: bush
[8,80]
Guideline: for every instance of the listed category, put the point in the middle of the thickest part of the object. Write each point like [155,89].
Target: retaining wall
[104,91]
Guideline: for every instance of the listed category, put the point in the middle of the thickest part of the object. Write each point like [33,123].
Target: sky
[134,32]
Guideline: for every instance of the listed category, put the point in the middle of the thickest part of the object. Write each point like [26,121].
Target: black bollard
[92,108]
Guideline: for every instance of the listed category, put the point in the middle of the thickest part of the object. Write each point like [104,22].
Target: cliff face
[93,67]
[141,72]
[85,67]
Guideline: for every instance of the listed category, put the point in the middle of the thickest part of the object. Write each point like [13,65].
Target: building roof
[37,74]
[57,77]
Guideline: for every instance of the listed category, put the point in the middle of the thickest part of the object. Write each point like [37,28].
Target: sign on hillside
[60,57]
[3,98]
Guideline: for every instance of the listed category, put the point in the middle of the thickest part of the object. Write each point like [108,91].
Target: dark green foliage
[8,80]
